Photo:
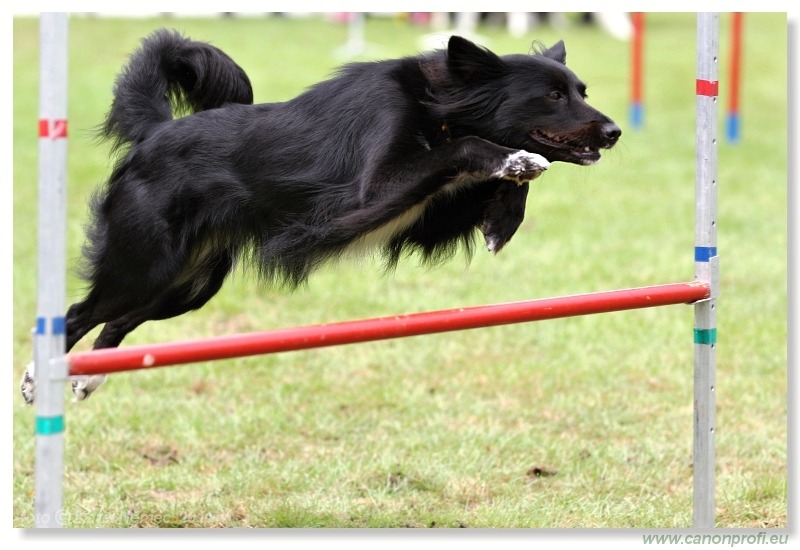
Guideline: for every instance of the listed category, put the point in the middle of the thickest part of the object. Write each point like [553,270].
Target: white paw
[492,243]
[83,386]
[522,167]
[28,384]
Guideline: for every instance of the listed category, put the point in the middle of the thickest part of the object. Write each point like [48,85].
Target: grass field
[583,422]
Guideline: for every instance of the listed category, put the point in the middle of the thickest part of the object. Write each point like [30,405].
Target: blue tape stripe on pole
[58,326]
[637,115]
[704,253]
[733,127]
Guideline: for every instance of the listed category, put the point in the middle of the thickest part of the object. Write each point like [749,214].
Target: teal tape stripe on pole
[49,425]
[705,336]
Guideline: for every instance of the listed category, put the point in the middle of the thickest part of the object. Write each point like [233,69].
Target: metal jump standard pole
[706,267]
[733,126]
[49,334]
[637,54]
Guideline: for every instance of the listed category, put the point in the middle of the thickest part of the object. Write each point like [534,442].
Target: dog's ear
[472,62]
[558,52]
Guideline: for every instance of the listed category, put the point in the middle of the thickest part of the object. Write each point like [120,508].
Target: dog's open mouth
[559,148]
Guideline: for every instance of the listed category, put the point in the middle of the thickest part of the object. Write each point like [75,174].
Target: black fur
[288,186]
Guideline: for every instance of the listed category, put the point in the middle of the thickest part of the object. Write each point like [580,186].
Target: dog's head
[532,102]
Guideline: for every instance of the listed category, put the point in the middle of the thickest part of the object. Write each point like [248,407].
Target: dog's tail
[171,70]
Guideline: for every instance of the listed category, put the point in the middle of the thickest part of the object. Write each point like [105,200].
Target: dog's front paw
[504,214]
[522,167]
[83,386]
[28,385]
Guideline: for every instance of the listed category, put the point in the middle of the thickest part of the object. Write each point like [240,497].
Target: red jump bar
[382,328]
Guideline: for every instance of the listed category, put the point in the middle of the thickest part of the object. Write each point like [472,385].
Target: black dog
[412,154]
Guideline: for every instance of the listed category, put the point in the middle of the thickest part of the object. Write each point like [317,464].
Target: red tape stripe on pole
[365,330]
[709,88]
[52,128]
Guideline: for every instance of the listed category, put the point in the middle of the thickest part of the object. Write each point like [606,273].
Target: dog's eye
[555,95]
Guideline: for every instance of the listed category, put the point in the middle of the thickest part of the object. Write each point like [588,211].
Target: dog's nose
[611,132]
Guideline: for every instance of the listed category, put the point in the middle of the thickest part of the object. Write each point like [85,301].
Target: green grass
[583,422]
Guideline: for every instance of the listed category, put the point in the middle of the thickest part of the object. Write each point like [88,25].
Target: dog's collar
[445,131]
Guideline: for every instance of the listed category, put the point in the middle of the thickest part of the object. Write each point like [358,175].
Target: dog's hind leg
[111,336]
[79,322]
[197,284]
